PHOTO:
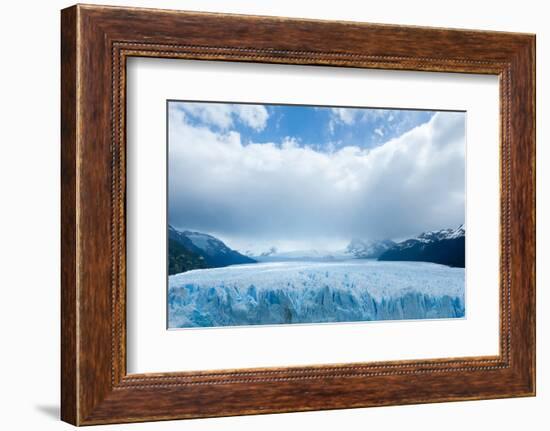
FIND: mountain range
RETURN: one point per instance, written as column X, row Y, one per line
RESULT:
column 195, row 250
column 356, row 249
column 189, row 250
column 445, row 246
column 368, row 249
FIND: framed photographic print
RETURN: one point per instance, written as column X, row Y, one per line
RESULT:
column 317, row 215
column 295, row 190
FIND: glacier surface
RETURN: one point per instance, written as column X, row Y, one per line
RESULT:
column 314, row 292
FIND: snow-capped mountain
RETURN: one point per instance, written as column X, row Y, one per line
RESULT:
column 439, row 235
column 445, row 246
column 362, row 249
column 356, row 249
column 273, row 255
column 195, row 250
column 271, row 252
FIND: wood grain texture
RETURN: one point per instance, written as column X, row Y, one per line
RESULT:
column 69, row 367
column 96, row 41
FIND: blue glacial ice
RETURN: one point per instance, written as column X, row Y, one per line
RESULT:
column 314, row 292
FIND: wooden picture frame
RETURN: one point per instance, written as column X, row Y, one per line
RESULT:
column 95, row 43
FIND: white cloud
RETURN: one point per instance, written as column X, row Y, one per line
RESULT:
column 254, row 116
column 222, row 115
column 384, row 122
column 287, row 192
column 345, row 115
column 349, row 116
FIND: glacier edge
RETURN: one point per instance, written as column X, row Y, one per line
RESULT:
column 314, row 292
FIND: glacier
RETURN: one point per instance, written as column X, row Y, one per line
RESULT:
column 314, row 292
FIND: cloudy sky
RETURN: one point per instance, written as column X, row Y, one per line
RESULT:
column 302, row 177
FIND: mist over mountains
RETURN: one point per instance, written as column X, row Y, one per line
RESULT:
column 195, row 250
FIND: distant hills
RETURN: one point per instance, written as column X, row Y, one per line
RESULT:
column 445, row 246
column 356, row 249
column 273, row 255
column 368, row 249
column 189, row 250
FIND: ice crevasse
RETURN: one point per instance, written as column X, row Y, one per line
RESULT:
column 314, row 292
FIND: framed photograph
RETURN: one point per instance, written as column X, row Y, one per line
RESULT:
column 300, row 193
column 318, row 215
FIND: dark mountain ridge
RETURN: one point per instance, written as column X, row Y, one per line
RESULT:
column 189, row 250
column 445, row 246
